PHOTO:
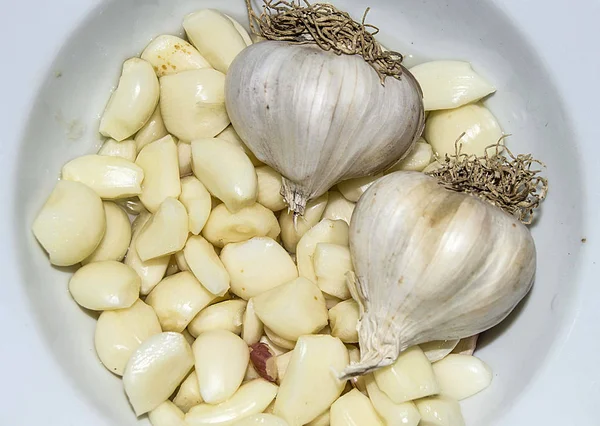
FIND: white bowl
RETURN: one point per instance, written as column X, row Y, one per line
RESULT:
column 61, row 59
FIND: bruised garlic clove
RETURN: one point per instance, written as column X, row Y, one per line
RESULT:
column 188, row 394
column 404, row 414
column 352, row 189
column 153, row 130
column 215, row 37
column 269, row 188
column 261, row 420
column 292, row 230
column 331, row 263
column 354, row 409
column 225, row 315
column 251, row 398
column 120, row 332
column 278, row 340
column 343, row 319
column 71, row 224
column 306, row 315
column 241, row 30
column 132, row 102
column 338, row 208
column 450, row 84
column 462, row 376
column 417, row 159
column 125, row 149
column 167, row 414
column 110, row 177
column 192, row 104
column 221, row 359
column 169, row 54
column 229, row 134
column 439, row 411
column 184, row 155
column 252, row 326
column 155, row 370
column 466, row 346
column 116, row 238
column 264, row 361
column 224, row 227
column 438, row 349
column 310, row 384
column 257, row 265
column 445, row 128
column 206, row 266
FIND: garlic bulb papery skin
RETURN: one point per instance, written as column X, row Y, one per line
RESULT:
column 432, row 264
column 319, row 118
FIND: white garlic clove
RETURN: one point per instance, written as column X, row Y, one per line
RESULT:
column 450, row 84
column 153, row 130
column 331, row 263
column 278, row 340
column 133, row 101
column 169, row 54
column 338, row 208
column 330, row 301
column 196, row 199
column 257, row 265
column 418, row 158
column 229, row 134
column 120, row 332
column 292, row 230
column 167, row 414
column 322, row 420
column 105, row 285
column 224, row 227
column 215, row 37
column 188, row 337
column 354, row 409
column 310, row 384
column 241, row 30
column 352, row 189
column 466, row 346
column 409, row 377
column 165, row 233
column 306, row 315
column 225, row 315
column 282, row 362
column 462, row 376
column 439, row 411
column 116, row 238
column 251, row 398
column 359, row 381
column 438, row 349
column 475, row 123
column 159, row 161
column 433, row 166
column 172, row 267
column 221, row 359
column 343, row 319
column 326, row 231
column 404, row 414
column 277, row 350
column 184, row 155
column 155, row 370
column 110, row 177
column 181, row 262
column 192, row 104
column 188, row 394
column 252, row 326
column 177, row 300
column 206, row 266
column 71, row 224
column 225, row 171
column 261, row 420
column 125, row 149
column 133, row 206
column 269, row 189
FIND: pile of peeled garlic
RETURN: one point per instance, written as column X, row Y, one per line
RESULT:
column 286, row 294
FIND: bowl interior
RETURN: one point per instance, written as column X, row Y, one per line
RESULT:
column 64, row 121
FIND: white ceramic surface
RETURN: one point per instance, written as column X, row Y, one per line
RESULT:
column 60, row 60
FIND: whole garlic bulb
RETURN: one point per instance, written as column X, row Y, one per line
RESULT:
column 319, row 118
column 432, row 264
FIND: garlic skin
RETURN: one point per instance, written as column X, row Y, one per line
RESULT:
column 270, row 89
column 438, row 349
column 483, row 264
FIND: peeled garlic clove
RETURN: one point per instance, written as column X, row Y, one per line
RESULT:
column 277, row 350
column 165, row 233
column 450, row 84
column 225, row 315
column 281, row 363
column 225, row 171
column 192, row 104
column 155, row 370
column 188, row 337
column 206, row 266
column 120, row 332
column 188, row 394
column 433, row 166
column 105, row 285
column 331, row 263
column 280, row 341
column 181, row 262
column 177, row 299
column 230, row 135
column 462, row 376
column 257, row 265
column 262, row 420
column 184, row 154
column 224, row 227
column 354, row 409
column 241, row 30
column 263, row 361
column 132, row 102
column 116, row 238
column 269, row 188
column 343, row 319
column 169, row 55
column 110, row 177
column 153, row 130
column 331, row 301
column 438, row 349
column 132, row 205
column 338, row 208
column 326, row 231
column 480, row 128
column 292, row 231
column 125, row 149
column 310, row 384
column 404, row 414
column 167, row 414
column 215, row 37
column 71, row 224
column 352, row 189
column 221, row 359
column 358, row 382
column 251, row 398
column 418, row 158
column 322, row 420
column 439, row 411
column 252, row 326
column 466, row 346
column 306, row 315
column 172, row 268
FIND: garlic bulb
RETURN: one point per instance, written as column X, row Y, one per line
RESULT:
column 319, row 118
column 455, row 266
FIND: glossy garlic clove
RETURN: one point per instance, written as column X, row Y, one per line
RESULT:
column 206, row 266
column 252, row 326
column 292, row 231
column 343, row 319
column 196, row 199
column 169, row 54
column 167, row 414
column 269, row 189
column 116, row 238
column 352, row 189
column 261, row 420
column 153, row 130
column 184, row 155
column 404, row 414
column 438, row 349
column 125, row 149
column 281, row 342
column 354, row 409
column 331, row 263
column 188, row 394
column 419, row 157
column 225, row 315
column 439, row 411
column 462, row 376
column 338, row 208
